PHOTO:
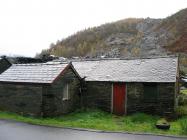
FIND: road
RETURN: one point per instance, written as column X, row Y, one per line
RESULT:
column 12, row 130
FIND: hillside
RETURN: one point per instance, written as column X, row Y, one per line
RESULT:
column 128, row 38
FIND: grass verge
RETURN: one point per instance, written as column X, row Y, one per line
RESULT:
column 99, row 120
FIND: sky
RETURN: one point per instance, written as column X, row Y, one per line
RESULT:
column 28, row 26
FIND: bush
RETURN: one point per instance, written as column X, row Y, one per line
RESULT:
column 181, row 111
column 183, row 124
column 184, row 91
column 182, row 99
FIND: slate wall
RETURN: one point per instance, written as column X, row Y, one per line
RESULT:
column 53, row 103
column 134, row 97
column 167, row 99
column 22, row 99
column 163, row 105
column 46, row 100
column 98, row 95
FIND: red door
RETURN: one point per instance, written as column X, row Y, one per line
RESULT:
column 119, row 91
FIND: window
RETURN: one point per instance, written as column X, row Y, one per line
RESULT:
column 150, row 92
column 66, row 95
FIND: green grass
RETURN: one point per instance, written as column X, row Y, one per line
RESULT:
column 95, row 119
column 184, row 126
column 184, row 91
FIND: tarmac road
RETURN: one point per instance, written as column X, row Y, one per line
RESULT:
column 12, row 130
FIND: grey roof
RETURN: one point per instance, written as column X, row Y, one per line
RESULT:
column 32, row 73
column 136, row 70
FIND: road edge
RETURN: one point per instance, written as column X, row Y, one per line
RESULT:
column 98, row 131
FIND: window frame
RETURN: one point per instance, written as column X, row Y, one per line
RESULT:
column 66, row 89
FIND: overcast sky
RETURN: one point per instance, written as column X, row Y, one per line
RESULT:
column 28, row 26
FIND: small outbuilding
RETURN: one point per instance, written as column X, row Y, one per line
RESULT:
column 45, row 89
column 119, row 86
column 4, row 64
column 127, row 86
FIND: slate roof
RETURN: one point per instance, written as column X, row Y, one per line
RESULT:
column 136, row 70
column 32, row 73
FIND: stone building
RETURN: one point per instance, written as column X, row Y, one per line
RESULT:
column 118, row 86
column 128, row 86
column 40, row 89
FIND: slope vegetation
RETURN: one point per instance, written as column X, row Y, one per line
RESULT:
column 128, row 38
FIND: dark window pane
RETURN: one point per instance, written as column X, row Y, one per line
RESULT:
column 150, row 91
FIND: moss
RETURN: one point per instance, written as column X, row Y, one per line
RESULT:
column 162, row 121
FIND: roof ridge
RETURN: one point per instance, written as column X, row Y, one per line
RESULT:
column 38, row 64
column 132, row 58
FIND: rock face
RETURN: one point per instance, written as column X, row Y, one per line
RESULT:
column 146, row 42
column 127, row 38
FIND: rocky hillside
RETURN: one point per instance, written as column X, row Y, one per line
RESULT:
column 128, row 38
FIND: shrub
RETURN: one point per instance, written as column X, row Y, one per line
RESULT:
column 181, row 111
column 183, row 124
column 182, row 99
column 183, row 91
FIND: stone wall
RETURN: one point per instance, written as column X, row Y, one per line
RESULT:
column 28, row 99
column 98, row 95
column 162, row 105
column 134, row 97
column 166, row 102
column 53, row 103
column 22, row 99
